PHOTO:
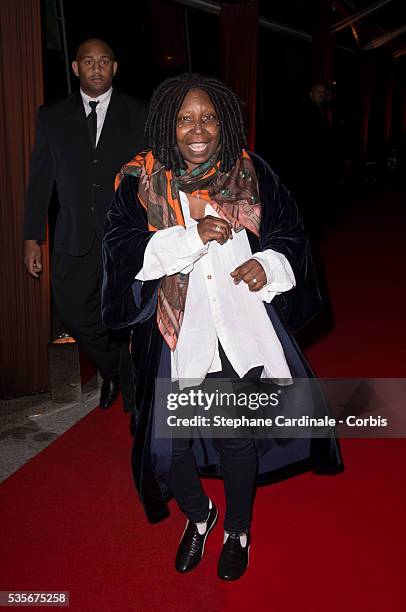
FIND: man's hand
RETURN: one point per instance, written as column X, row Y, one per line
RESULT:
column 252, row 273
column 214, row 228
column 33, row 257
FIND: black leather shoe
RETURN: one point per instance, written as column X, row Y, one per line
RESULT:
column 234, row 558
column 191, row 546
column 109, row 391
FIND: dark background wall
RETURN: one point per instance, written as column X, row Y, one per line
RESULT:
column 157, row 38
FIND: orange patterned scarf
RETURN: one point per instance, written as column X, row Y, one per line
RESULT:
column 233, row 195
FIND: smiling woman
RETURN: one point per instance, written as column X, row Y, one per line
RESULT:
column 197, row 128
column 200, row 239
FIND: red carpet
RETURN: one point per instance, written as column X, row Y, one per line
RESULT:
column 71, row 520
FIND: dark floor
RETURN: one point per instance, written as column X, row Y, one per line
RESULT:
column 29, row 424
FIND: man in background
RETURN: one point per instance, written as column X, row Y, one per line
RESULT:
column 315, row 163
column 81, row 143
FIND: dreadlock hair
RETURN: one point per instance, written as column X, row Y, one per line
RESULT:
column 160, row 127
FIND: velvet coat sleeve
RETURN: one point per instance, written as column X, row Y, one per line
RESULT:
column 282, row 230
column 126, row 301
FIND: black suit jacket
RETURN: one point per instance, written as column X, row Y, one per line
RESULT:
column 84, row 176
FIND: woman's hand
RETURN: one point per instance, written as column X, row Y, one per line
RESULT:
column 252, row 273
column 214, row 228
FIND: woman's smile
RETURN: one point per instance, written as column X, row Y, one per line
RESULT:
column 197, row 128
column 198, row 147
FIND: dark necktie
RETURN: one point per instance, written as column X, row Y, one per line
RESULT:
column 92, row 122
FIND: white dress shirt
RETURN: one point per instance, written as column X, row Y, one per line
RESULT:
column 216, row 309
column 101, row 108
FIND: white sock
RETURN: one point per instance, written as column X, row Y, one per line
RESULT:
column 243, row 538
column 201, row 527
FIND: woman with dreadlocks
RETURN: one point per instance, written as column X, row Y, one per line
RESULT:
column 206, row 258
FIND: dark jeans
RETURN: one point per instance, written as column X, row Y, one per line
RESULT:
column 238, row 462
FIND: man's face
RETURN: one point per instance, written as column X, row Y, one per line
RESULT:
column 95, row 68
column 318, row 94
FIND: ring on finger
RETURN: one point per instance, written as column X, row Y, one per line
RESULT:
column 254, row 280
column 217, row 228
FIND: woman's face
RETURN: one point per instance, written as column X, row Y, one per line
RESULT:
column 197, row 128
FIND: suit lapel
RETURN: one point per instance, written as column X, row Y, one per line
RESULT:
column 113, row 127
column 79, row 127
column 113, row 134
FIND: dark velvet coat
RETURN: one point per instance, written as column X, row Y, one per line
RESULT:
column 130, row 303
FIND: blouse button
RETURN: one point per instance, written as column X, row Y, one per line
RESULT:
column 209, row 276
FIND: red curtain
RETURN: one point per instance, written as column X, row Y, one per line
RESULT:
column 323, row 50
column 404, row 111
column 390, row 85
column 239, row 50
column 323, row 45
column 24, row 301
column 168, row 31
